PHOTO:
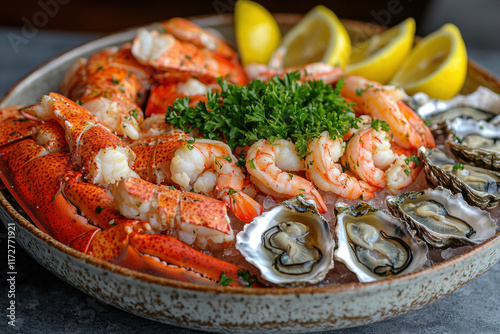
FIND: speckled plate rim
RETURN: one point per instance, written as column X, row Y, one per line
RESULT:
column 484, row 77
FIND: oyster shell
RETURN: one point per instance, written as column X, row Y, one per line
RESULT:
column 374, row 244
column 290, row 244
column 477, row 142
column 441, row 218
column 483, row 104
column 480, row 187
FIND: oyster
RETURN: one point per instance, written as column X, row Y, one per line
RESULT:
column 290, row 244
column 374, row 244
column 441, row 218
column 483, row 104
column 480, row 187
column 477, row 142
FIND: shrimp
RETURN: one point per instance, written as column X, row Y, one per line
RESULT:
column 369, row 156
column 268, row 165
column 323, row 169
column 384, row 103
column 208, row 165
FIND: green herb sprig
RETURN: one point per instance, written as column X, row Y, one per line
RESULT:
column 282, row 108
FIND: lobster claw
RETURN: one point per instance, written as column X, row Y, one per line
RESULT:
column 15, row 124
column 36, row 183
column 130, row 245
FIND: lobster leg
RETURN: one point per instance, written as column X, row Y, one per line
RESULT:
column 193, row 218
column 129, row 245
column 154, row 155
column 36, row 183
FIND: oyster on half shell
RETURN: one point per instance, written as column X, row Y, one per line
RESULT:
column 483, row 104
column 290, row 244
column 480, row 187
column 477, row 142
column 441, row 218
column 374, row 244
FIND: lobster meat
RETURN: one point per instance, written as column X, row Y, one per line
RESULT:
column 65, row 171
column 74, row 161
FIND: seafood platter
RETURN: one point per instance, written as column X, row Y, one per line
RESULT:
column 127, row 177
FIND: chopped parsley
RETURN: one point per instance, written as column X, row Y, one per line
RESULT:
column 99, row 209
column 252, row 164
column 281, row 108
column 378, row 124
column 247, row 278
column 224, row 280
column 458, row 166
column 414, row 159
column 134, row 113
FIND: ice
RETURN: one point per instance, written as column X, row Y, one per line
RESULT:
column 268, row 203
column 448, row 253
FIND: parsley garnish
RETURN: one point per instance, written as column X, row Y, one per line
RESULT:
column 247, row 278
column 98, row 209
column 281, row 108
column 458, row 166
column 414, row 159
column 225, row 280
column 378, row 124
column 134, row 113
column 252, row 164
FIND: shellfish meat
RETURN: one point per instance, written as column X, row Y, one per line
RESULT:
column 442, row 218
column 374, row 244
column 480, row 187
column 290, row 244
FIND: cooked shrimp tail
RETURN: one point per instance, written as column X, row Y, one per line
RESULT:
column 382, row 102
column 242, row 205
column 269, row 166
column 208, row 166
column 323, row 169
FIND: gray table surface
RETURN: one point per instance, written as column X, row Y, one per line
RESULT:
column 45, row 304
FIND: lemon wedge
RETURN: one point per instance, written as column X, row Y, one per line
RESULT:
column 379, row 57
column 257, row 32
column 436, row 66
column 319, row 36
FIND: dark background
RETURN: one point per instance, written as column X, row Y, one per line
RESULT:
column 112, row 15
column 477, row 20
